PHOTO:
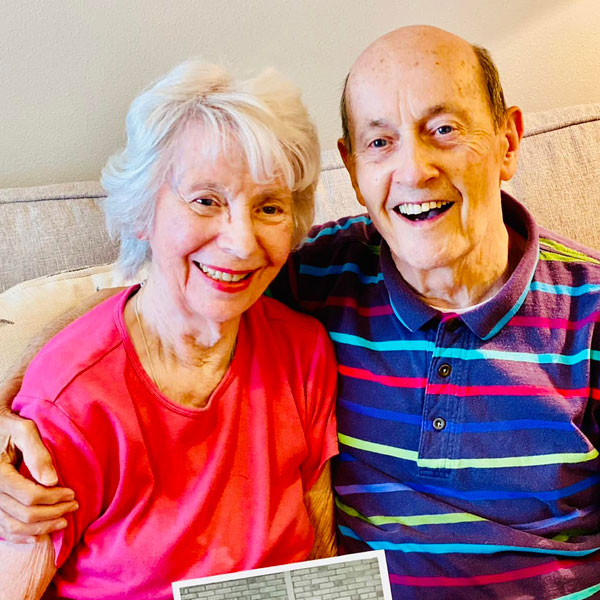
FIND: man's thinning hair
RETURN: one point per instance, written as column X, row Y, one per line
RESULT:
column 491, row 84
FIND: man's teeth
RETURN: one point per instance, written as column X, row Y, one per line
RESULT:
column 221, row 275
column 417, row 209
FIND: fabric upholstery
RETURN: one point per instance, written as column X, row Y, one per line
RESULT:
column 47, row 229
column 27, row 307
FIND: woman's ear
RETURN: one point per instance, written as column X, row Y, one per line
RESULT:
column 513, row 133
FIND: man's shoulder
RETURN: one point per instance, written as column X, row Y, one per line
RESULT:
column 357, row 228
column 564, row 261
column 351, row 239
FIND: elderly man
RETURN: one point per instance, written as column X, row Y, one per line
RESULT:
column 467, row 338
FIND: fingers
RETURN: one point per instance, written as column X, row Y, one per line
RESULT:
column 23, row 434
column 28, row 492
column 26, row 533
column 20, row 524
column 28, row 509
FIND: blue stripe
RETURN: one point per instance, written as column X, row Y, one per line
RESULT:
column 565, row 290
column 461, row 548
column 336, row 228
column 382, row 488
column 453, row 427
column 337, row 269
column 463, row 353
column 553, row 521
column 385, row 346
column 381, row 413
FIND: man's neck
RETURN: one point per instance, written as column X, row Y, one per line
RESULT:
column 472, row 280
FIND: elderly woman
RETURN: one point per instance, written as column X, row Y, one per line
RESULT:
column 192, row 416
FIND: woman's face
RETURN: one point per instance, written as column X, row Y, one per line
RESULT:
column 219, row 237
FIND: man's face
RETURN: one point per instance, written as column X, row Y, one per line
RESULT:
column 426, row 160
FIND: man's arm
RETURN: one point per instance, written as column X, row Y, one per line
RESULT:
column 320, row 505
column 26, row 508
column 27, row 570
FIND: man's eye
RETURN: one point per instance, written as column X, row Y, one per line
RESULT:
column 379, row 143
column 444, row 129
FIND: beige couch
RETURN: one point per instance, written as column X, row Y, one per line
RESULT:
column 60, row 228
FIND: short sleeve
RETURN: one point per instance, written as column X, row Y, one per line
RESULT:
column 321, row 427
column 75, row 463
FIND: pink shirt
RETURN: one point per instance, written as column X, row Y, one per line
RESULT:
column 168, row 492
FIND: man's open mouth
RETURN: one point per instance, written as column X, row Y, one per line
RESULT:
column 422, row 211
column 222, row 275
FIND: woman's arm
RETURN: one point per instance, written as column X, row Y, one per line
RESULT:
column 320, row 505
column 28, row 509
column 27, row 569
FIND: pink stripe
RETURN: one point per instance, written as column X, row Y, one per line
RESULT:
column 466, row 391
column 504, row 390
column 405, row 382
column 518, row 321
column 364, row 311
column 516, row 575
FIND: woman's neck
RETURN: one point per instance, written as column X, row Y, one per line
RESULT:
column 185, row 354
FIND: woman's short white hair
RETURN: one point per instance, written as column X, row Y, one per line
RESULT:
column 265, row 115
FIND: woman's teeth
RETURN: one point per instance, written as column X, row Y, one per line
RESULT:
column 221, row 275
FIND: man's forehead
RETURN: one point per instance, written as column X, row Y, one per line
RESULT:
column 429, row 72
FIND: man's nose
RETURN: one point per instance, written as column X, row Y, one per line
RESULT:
column 414, row 163
column 238, row 235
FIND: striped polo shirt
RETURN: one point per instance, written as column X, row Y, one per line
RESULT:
column 468, row 442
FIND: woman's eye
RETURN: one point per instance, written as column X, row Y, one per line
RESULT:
column 205, row 201
column 270, row 209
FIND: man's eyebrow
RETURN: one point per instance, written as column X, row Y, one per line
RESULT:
column 439, row 109
column 378, row 124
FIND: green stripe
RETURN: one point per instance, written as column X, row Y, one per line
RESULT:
column 564, row 253
column 410, row 521
column 587, row 593
column 553, row 256
column 469, row 463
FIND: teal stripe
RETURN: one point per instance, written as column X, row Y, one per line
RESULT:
column 397, row 313
column 587, row 593
column 565, row 290
column 337, row 269
column 385, row 346
column 526, row 357
column 461, row 548
column 464, row 353
column 511, row 313
column 336, row 228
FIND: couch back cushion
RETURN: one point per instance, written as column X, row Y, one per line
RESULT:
column 52, row 228
column 60, row 227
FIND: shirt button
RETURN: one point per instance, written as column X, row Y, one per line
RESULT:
column 452, row 325
column 444, row 370
column 439, row 423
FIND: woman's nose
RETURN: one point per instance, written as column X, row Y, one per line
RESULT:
column 237, row 235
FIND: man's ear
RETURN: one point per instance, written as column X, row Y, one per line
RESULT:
column 513, row 132
column 349, row 164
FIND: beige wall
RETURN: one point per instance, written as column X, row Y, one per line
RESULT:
column 69, row 68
